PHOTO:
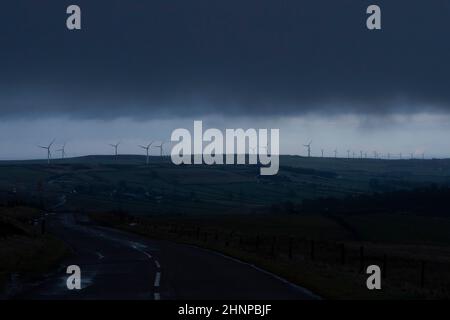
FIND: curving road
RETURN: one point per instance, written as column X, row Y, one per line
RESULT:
column 119, row 265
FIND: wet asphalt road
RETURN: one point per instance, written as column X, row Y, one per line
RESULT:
column 119, row 265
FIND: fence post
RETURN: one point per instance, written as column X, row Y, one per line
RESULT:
column 43, row 226
column 291, row 244
column 422, row 274
column 361, row 259
column 342, row 254
column 273, row 246
column 312, row 250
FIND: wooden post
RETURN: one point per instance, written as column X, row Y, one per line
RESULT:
column 361, row 259
column 422, row 274
column 291, row 244
column 43, row 226
column 273, row 246
column 230, row 239
column 342, row 254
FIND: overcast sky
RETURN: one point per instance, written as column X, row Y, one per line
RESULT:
column 139, row 69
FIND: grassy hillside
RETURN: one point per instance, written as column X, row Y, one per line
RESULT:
column 127, row 183
column 25, row 253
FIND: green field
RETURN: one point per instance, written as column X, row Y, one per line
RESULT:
column 227, row 208
column 283, row 245
column 163, row 188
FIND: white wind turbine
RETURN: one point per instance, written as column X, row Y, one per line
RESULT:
column 146, row 148
column 115, row 146
column 49, row 152
column 63, row 151
column 160, row 148
column 308, row 147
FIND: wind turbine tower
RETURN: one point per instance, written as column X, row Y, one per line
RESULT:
column 146, row 148
column 308, row 146
column 115, row 146
column 160, row 148
column 63, row 151
column 49, row 152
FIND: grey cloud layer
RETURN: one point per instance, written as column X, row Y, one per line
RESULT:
column 164, row 58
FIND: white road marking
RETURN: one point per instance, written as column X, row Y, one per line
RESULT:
column 157, row 296
column 144, row 252
column 157, row 264
column 157, row 279
column 303, row 290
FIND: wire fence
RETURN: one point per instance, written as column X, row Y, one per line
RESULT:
column 400, row 271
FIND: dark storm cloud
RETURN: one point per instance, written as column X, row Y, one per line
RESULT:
column 164, row 58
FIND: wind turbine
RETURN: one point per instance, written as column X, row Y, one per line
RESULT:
column 361, row 154
column 401, row 156
column 389, row 155
column 63, row 151
column 48, row 148
column 375, row 155
column 160, row 148
column 322, row 152
column 335, row 153
column 308, row 146
column 412, row 155
column 146, row 148
column 115, row 146
column 348, row 154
